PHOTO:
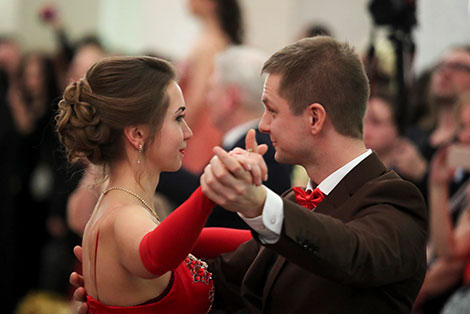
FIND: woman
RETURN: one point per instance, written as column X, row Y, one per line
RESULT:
column 127, row 116
column 221, row 26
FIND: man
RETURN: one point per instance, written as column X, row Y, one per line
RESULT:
column 234, row 108
column 362, row 249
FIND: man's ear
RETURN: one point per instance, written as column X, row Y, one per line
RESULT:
column 233, row 97
column 317, row 117
column 136, row 135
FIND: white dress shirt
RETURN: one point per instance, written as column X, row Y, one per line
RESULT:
column 269, row 224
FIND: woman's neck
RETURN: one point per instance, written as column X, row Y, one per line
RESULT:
column 135, row 178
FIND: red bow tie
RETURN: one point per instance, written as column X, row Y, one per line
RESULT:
column 308, row 199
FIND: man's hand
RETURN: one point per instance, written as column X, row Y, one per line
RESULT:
column 229, row 179
column 79, row 295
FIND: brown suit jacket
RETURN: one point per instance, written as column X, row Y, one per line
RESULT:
column 363, row 250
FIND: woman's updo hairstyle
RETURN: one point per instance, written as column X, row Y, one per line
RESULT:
column 116, row 92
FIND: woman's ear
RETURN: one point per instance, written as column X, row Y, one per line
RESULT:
column 135, row 135
column 317, row 117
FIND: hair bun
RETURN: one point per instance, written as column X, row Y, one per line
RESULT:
column 79, row 125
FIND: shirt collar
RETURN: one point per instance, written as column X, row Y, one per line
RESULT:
column 231, row 137
column 330, row 182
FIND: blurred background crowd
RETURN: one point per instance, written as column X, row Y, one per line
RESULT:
column 417, row 56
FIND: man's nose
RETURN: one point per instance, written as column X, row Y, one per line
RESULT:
column 263, row 124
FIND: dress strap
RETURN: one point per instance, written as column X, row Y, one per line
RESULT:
column 94, row 266
column 98, row 203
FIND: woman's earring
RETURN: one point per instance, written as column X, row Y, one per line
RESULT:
column 141, row 149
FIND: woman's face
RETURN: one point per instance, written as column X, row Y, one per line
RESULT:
column 464, row 125
column 167, row 150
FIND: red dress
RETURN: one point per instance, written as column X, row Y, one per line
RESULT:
column 191, row 288
column 190, row 291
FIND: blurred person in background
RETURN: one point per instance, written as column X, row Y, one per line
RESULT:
column 234, row 107
column 70, row 67
column 10, row 56
column 222, row 25
column 88, row 52
column 449, row 247
column 450, row 78
column 31, row 103
column 381, row 134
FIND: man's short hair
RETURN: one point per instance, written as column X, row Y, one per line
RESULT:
column 325, row 71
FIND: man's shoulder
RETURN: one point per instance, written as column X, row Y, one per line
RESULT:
column 389, row 188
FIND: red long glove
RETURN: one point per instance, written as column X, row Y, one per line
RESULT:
column 165, row 247
column 215, row 241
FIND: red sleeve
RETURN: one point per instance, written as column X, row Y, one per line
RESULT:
column 215, row 241
column 165, row 247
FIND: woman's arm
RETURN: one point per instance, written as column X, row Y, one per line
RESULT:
column 164, row 248
column 214, row 241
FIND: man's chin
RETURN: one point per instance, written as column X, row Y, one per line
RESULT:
column 281, row 158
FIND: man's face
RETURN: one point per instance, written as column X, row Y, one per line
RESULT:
column 286, row 130
column 452, row 75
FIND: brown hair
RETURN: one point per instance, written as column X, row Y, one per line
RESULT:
column 323, row 70
column 116, row 92
column 387, row 97
column 462, row 101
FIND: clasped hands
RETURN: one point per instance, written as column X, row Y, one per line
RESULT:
column 233, row 180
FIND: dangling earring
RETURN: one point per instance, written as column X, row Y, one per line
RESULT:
column 141, row 149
